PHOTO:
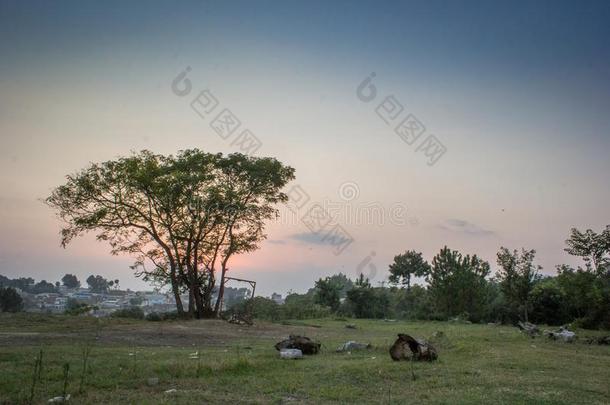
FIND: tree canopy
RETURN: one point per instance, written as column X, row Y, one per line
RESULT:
column 518, row 275
column 406, row 265
column 182, row 217
column 457, row 283
column 70, row 281
column 594, row 248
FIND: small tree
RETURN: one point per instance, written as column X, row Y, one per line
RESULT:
column 328, row 293
column 10, row 300
column 98, row 284
column 457, row 283
column 517, row 276
column 594, row 248
column 407, row 265
column 70, row 281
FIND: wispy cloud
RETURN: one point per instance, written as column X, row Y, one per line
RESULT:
column 276, row 241
column 308, row 237
column 465, row 227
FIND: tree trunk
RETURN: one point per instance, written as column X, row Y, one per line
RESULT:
column 176, row 291
column 199, row 303
column 221, row 292
column 191, row 301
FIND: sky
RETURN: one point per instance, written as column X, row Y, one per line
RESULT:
column 515, row 94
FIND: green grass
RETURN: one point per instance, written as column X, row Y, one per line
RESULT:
column 477, row 364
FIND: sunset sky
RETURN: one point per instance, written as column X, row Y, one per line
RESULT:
column 517, row 92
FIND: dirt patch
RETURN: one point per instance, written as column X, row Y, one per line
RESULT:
column 173, row 333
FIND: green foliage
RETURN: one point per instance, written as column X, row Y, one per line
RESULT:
column 154, row 317
column 70, row 281
column 368, row 302
column 594, row 248
column 162, row 316
column 29, row 285
column 261, row 308
column 548, row 301
column 43, row 287
column 133, row 313
column 587, row 296
column 234, row 296
column 517, row 276
column 414, row 303
column 303, row 306
column 457, row 284
column 345, row 283
column 296, row 306
column 21, row 283
column 97, row 284
column 10, row 300
column 75, row 307
column 182, row 217
column 406, row 265
column 328, row 293
column 498, row 309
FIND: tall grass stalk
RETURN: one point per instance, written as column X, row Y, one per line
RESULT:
column 36, row 375
column 66, row 379
column 86, row 352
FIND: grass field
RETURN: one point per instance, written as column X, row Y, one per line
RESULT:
column 237, row 364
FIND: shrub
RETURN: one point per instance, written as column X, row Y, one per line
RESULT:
column 154, row 317
column 303, row 306
column 548, row 303
column 368, row 302
column 133, row 313
column 170, row 316
column 10, row 300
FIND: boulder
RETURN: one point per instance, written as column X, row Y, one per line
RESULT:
column 304, row 344
column 409, row 348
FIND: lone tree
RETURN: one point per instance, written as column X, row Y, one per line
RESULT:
column 183, row 217
column 518, row 276
column 406, row 265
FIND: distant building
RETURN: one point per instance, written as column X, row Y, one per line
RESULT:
column 155, row 299
column 277, row 298
column 50, row 302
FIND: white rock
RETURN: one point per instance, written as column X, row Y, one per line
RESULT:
column 60, row 399
column 291, row 354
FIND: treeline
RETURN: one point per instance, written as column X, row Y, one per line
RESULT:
column 462, row 286
column 95, row 283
